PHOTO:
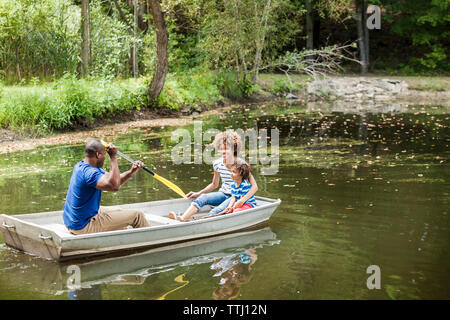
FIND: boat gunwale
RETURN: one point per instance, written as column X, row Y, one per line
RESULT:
column 271, row 203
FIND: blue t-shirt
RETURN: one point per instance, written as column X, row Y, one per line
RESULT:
column 239, row 192
column 83, row 198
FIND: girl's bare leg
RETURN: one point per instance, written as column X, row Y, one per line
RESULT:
column 189, row 212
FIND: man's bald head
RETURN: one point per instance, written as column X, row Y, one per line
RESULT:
column 92, row 147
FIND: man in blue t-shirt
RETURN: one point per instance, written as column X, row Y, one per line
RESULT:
column 82, row 212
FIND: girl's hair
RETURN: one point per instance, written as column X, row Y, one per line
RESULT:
column 230, row 139
column 243, row 168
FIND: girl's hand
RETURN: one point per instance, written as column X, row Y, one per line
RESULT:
column 238, row 204
column 193, row 195
column 228, row 210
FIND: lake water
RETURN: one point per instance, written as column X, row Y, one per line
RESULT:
column 357, row 189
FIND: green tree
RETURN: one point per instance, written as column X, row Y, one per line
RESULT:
column 426, row 23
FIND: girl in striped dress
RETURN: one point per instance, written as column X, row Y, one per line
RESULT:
column 229, row 144
column 240, row 173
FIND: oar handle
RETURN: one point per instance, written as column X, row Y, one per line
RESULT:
column 106, row 145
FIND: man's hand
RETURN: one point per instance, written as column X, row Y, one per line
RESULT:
column 193, row 195
column 112, row 150
column 136, row 166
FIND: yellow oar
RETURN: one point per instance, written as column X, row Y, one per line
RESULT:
column 177, row 279
column 157, row 177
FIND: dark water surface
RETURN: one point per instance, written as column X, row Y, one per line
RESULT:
column 357, row 189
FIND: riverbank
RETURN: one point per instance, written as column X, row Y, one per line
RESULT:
column 271, row 87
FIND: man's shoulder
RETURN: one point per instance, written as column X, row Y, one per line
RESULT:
column 87, row 168
column 87, row 174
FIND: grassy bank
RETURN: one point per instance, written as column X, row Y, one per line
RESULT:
column 66, row 103
column 69, row 103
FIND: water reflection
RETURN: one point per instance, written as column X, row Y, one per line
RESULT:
column 92, row 293
column 234, row 271
column 124, row 270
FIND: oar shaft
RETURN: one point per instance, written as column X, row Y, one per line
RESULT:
column 132, row 161
column 125, row 156
column 169, row 184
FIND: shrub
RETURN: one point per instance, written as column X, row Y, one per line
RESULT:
column 68, row 101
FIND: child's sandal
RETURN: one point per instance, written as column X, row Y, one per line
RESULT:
column 175, row 216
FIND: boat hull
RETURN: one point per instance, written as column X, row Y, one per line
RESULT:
column 43, row 234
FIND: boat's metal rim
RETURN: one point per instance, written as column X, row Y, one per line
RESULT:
column 178, row 225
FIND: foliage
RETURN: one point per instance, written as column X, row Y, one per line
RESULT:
column 110, row 43
column 230, row 34
column 66, row 103
column 38, row 38
column 232, row 87
column 43, row 39
column 71, row 102
column 425, row 22
column 190, row 89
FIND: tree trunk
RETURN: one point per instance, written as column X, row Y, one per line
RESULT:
column 135, row 30
column 366, row 35
column 309, row 26
column 362, row 41
column 85, row 45
column 260, row 42
column 19, row 75
column 309, row 29
column 131, row 32
column 316, row 31
column 162, row 40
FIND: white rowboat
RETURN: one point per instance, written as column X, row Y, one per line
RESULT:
column 44, row 234
column 132, row 268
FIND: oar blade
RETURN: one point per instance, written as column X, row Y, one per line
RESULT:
column 171, row 185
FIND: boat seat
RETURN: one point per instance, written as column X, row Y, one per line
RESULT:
column 60, row 229
column 160, row 219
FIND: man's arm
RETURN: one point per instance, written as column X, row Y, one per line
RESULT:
column 128, row 174
column 110, row 181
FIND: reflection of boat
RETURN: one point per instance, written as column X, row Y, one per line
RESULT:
column 44, row 234
column 52, row 277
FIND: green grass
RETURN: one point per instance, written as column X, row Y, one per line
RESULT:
column 43, row 108
column 278, row 83
column 61, row 104
column 190, row 89
column 434, row 84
